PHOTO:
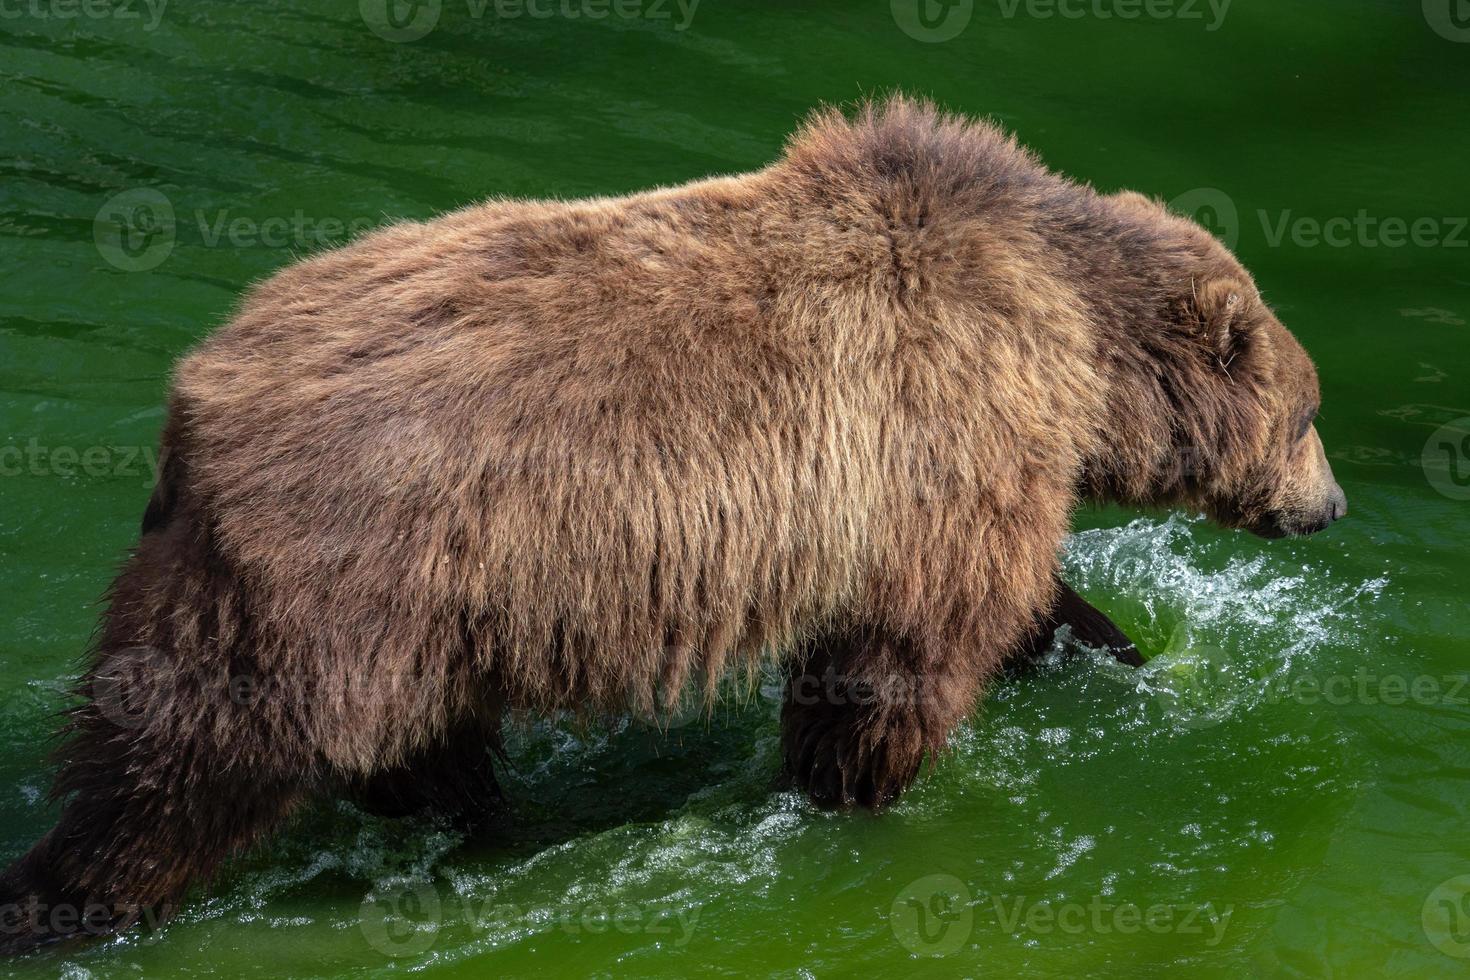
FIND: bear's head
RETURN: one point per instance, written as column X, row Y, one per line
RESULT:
column 1217, row 399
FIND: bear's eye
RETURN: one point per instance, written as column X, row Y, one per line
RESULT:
column 1306, row 423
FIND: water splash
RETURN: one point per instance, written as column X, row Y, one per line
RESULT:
column 1225, row 630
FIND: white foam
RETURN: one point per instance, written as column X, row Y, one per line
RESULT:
column 1221, row 627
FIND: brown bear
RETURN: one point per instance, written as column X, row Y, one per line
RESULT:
column 584, row 455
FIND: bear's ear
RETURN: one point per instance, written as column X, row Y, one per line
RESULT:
column 1212, row 314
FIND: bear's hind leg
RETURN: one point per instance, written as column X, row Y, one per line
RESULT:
column 157, row 796
column 166, row 770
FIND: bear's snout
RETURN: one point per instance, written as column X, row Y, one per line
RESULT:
column 1288, row 524
column 1333, row 509
column 1309, row 500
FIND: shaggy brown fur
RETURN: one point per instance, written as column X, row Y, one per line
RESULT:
column 582, row 455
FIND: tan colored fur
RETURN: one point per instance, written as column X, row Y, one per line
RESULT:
column 640, row 440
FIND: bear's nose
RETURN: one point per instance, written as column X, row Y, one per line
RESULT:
column 1337, row 503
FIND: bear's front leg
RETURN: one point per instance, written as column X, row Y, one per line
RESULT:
column 453, row 775
column 862, row 711
column 1089, row 625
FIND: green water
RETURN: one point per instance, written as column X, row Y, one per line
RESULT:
column 1284, row 790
